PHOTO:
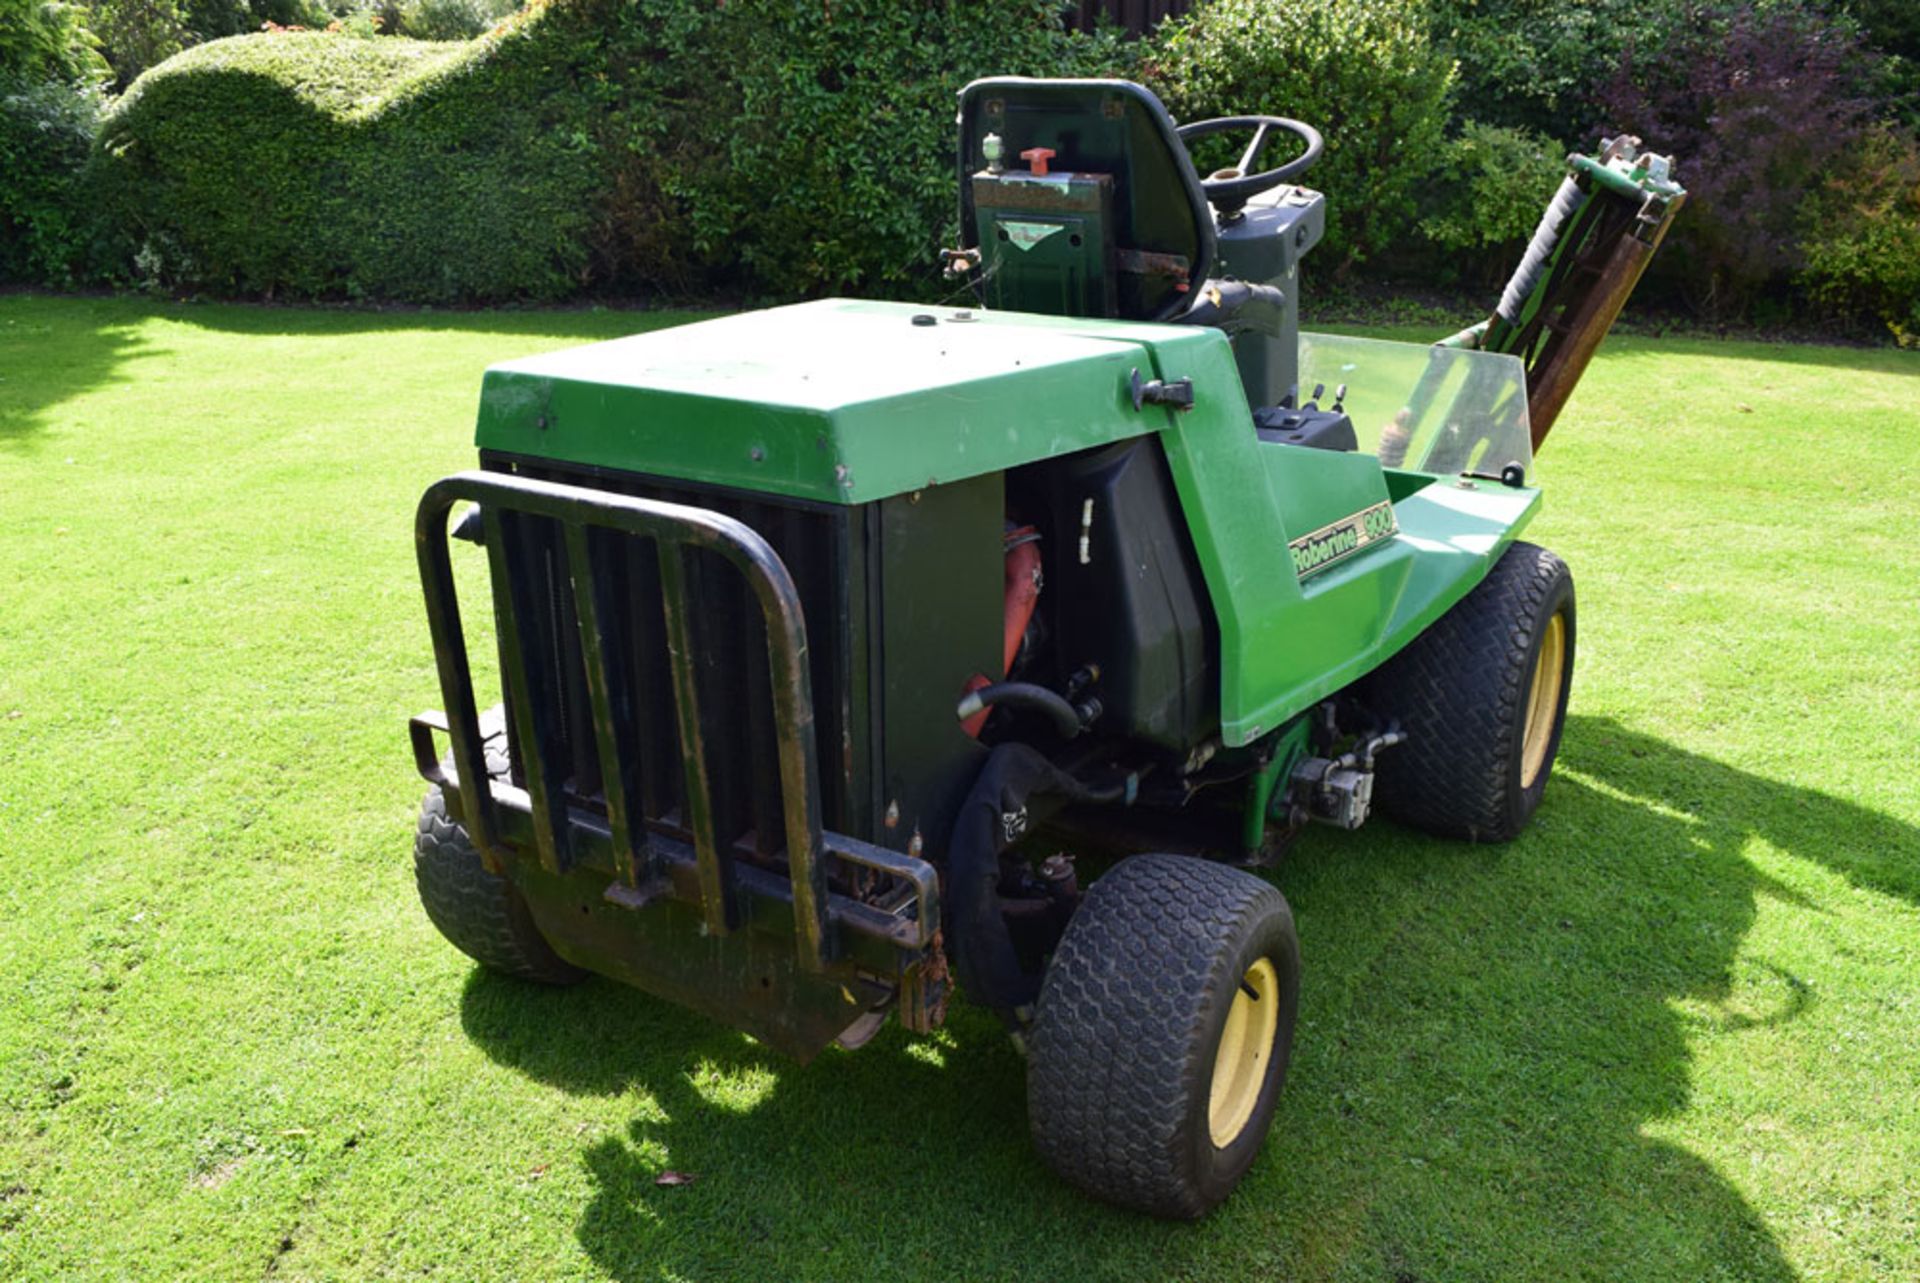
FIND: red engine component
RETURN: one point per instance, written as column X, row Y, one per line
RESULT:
column 1022, row 596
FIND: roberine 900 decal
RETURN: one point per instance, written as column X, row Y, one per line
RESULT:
column 852, row 648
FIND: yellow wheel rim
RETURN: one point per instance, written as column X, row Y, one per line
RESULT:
column 1543, row 700
column 1246, row 1049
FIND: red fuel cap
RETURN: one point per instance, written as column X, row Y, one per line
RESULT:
column 1037, row 158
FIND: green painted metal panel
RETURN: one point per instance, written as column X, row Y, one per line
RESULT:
column 1285, row 642
column 839, row 401
column 851, row 402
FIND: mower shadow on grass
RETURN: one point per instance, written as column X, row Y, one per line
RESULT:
column 1724, row 807
column 1486, row 1036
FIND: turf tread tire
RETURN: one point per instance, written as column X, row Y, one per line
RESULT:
column 1128, row 1022
column 478, row 911
column 1460, row 690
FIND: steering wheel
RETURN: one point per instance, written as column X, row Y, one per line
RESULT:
column 1229, row 189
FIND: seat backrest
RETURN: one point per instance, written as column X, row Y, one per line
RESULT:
column 1117, row 225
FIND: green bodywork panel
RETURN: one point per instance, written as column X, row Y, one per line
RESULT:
column 837, row 401
column 1288, row 642
column 851, row 402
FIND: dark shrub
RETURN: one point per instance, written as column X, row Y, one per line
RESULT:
column 451, row 19
column 137, row 34
column 45, row 131
column 1892, row 28
column 49, row 67
column 1862, row 237
column 1755, row 105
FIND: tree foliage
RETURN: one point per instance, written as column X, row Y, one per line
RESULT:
column 1759, row 104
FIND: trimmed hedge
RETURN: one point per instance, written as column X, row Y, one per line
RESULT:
column 772, row 149
column 795, row 149
column 313, row 165
column 752, row 147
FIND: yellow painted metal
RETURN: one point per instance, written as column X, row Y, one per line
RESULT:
column 1543, row 699
column 1246, row 1049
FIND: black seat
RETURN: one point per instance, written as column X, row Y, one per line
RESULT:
column 1116, row 226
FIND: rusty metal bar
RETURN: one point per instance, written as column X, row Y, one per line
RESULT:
column 533, row 718
column 697, row 797
column 474, row 805
column 676, row 529
column 606, row 687
column 793, row 725
column 1564, row 357
column 912, row 925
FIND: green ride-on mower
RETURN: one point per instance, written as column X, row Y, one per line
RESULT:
column 850, row 649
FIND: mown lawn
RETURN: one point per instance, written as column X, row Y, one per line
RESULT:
column 1669, row 1034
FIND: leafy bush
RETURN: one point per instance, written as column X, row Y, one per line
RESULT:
column 1892, row 28
column 42, row 40
column 321, row 166
column 1535, row 64
column 138, row 34
column 1490, row 189
column 769, row 147
column 1755, row 104
column 1364, row 72
column 451, row 19
column 1862, row 239
column 214, row 19
column 50, row 66
column 45, row 131
column 756, row 146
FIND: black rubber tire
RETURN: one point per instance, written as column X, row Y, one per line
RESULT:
column 1460, row 692
column 479, row 912
column 1121, row 1055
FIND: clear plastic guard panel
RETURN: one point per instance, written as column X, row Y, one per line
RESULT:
column 1432, row 409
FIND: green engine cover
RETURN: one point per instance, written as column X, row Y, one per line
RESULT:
column 1319, row 564
column 839, row 401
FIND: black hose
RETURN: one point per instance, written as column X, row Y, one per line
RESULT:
column 1016, row 787
column 1066, row 718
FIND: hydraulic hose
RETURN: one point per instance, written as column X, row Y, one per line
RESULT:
column 1066, row 718
column 1016, row 786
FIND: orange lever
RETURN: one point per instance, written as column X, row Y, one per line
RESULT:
column 1037, row 158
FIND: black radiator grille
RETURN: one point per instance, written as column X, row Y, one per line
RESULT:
column 734, row 681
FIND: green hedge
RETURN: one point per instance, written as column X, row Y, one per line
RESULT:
column 46, row 128
column 790, row 149
column 313, row 165
column 766, row 148
column 1364, row 72
column 749, row 147
column 1862, row 234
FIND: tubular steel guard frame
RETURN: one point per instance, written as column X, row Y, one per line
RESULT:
column 644, row 863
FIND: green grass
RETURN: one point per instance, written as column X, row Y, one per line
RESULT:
column 1669, row 1034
